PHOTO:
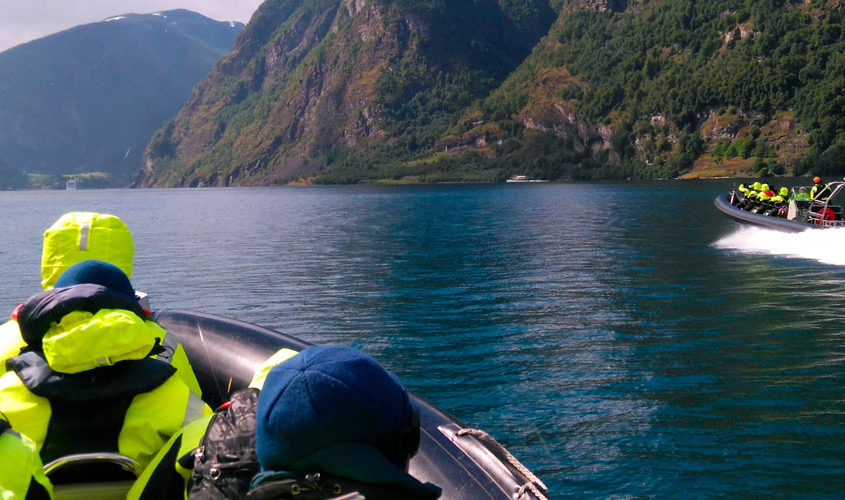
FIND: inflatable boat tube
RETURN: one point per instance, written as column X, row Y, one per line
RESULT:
column 723, row 204
column 466, row 463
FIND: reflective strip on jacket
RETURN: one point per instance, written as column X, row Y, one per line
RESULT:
column 21, row 475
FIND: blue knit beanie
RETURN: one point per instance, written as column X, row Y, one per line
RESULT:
column 335, row 409
column 97, row 272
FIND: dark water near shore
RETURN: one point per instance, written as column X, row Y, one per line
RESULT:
column 622, row 340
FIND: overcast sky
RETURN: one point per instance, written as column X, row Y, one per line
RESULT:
column 25, row 20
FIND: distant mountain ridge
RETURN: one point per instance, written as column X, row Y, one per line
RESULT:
column 89, row 98
column 346, row 91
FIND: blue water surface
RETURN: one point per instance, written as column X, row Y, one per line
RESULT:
column 599, row 331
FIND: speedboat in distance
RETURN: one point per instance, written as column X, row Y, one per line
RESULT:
column 798, row 210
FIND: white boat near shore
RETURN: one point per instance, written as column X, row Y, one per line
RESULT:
column 524, row 178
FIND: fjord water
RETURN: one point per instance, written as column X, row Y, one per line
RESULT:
column 622, row 340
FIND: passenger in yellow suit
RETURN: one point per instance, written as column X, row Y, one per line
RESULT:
column 781, row 196
column 78, row 236
column 21, row 476
column 86, row 380
column 751, row 194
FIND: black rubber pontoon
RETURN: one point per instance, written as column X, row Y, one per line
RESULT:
column 723, row 203
column 465, row 463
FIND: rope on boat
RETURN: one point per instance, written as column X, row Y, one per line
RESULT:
column 534, row 484
column 223, row 397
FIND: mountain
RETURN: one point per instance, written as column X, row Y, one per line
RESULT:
column 89, row 98
column 11, row 178
column 341, row 91
column 311, row 82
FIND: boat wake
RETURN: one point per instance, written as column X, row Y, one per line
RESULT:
column 822, row 246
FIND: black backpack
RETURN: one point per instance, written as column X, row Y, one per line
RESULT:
column 225, row 461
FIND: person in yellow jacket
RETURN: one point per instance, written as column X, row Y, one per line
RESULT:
column 781, row 196
column 79, row 236
column 21, row 476
column 820, row 190
column 86, row 380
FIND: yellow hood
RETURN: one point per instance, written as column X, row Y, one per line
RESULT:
column 79, row 236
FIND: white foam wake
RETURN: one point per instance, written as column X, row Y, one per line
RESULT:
column 826, row 246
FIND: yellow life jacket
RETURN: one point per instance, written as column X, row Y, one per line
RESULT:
column 76, row 374
column 149, row 420
column 261, row 372
column 21, row 472
column 11, row 344
column 83, row 340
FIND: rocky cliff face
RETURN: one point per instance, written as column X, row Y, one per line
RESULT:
column 271, row 110
column 549, row 112
column 601, row 5
column 309, row 79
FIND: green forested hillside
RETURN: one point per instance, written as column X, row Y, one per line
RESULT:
column 686, row 59
column 429, row 90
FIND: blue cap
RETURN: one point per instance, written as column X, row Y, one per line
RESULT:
column 96, row 272
column 335, row 409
